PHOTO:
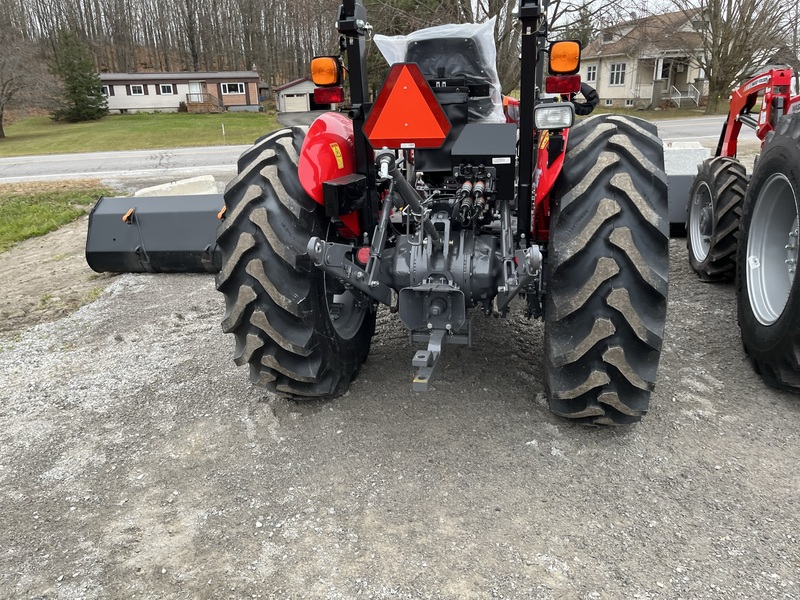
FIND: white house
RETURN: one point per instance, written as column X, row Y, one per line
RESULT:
column 166, row 92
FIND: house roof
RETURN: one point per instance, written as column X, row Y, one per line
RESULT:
column 648, row 36
column 290, row 84
column 178, row 76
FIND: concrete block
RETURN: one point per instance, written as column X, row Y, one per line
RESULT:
column 203, row 184
column 680, row 163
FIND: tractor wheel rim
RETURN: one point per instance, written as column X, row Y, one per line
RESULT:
column 701, row 219
column 772, row 249
column 346, row 308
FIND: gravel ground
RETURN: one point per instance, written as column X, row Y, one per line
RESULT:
column 137, row 462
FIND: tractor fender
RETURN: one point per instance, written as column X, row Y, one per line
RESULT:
column 328, row 152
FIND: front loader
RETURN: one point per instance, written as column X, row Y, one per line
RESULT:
column 428, row 202
column 747, row 230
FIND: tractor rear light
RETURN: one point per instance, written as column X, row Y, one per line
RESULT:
column 331, row 95
column 565, row 57
column 556, row 115
column 563, row 84
column 326, row 71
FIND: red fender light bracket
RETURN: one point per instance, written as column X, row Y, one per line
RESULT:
column 406, row 113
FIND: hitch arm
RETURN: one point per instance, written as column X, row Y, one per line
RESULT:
column 332, row 258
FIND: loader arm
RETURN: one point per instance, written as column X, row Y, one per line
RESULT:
column 776, row 101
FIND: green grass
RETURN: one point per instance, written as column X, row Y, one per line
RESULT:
column 142, row 131
column 30, row 214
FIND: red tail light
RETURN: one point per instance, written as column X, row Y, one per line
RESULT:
column 332, row 95
column 563, row 84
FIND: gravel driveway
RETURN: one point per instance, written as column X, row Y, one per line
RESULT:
column 137, row 462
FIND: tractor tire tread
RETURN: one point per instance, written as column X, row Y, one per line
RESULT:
column 774, row 350
column 272, row 292
column 607, row 268
column 726, row 178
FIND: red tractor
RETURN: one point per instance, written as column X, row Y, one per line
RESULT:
column 425, row 202
column 748, row 231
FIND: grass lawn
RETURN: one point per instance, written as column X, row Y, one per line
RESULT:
column 34, row 209
column 40, row 135
column 142, row 131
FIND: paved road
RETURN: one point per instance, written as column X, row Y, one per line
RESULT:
column 172, row 163
column 702, row 129
column 169, row 164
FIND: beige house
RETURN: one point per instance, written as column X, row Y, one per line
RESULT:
column 647, row 62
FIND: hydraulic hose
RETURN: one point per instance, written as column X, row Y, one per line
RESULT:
column 410, row 197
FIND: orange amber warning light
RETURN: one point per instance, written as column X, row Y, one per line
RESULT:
column 565, row 57
column 406, row 113
column 326, row 71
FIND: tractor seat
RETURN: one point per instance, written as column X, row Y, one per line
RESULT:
column 456, row 58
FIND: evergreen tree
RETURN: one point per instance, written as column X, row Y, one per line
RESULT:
column 83, row 98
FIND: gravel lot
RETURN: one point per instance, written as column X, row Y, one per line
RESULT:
column 137, row 462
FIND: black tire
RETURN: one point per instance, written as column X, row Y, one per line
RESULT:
column 767, row 290
column 712, row 220
column 607, row 269
column 278, row 305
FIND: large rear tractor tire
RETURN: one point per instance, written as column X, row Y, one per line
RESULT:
column 301, row 333
column 767, row 288
column 712, row 222
column 607, row 270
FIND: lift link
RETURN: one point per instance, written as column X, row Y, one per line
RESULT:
column 520, row 267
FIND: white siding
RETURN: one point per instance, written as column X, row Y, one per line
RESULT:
column 121, row 101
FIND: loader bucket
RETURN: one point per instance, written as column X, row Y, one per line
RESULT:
column 159, row 234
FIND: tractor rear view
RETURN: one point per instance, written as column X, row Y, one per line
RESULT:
column 430, row 203
column 747, row 231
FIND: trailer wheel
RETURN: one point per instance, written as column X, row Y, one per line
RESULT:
column 301, row 332
column 607, row 269
column 712, row 223
column 767, row 288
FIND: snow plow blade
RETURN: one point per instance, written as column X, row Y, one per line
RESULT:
column 159, row 234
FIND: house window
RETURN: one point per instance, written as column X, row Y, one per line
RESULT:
column 628, row 103
column 137, row 90
column 591, row 73
column 609, row 102
column 105, row 91
column 233, row 88
column 608, row 36
column 167, row 89
column 617, row 74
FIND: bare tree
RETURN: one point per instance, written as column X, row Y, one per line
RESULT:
column 12, row 80
column 561, row 13
column 278, row 37
column 737, row 36
column 24, row 77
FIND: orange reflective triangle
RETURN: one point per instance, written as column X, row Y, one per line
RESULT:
column 406, row 113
